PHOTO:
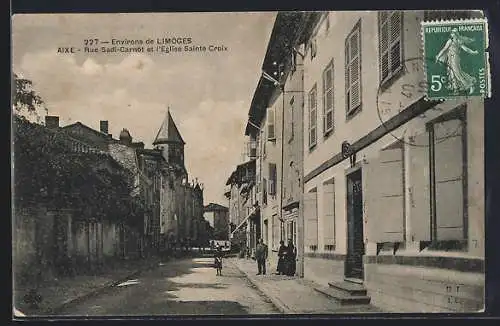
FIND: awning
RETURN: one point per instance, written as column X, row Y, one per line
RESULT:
column 253, row 212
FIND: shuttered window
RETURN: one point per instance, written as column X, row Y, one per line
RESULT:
column 270, row 125
column 448, row 157
column 390, row 27
column 353, row 69
column 312, row 117
column 419, row 190
column 329, row 215
column 384, row 199
column 272, row 179
column 311, row 220
column 328, row 98
column 264, row 191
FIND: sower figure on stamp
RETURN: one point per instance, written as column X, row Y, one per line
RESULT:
column 261, row 256
column 458, row 79
column 280, row 270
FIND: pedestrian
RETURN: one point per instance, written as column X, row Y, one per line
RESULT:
column 280, row 270
column 218, row 260
column 261, row 257
column 291, row 255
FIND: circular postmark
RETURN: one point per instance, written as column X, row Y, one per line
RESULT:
column 404, row 101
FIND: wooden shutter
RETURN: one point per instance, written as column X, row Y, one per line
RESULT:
column 448, row 160
column 312, row 117
column 329, row 213
column 420, row 212
column 311, row 219
column 328, row 98
column 270, row 124
column 385, row 197
column 390, row 25
column 353, row 69
column 396, row 48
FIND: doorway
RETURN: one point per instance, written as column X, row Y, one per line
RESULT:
column 355, row 245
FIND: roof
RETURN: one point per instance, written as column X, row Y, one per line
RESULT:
column 215, row 207
column 168, row 132
column 290, row 29
column 103, row 135
column 235, row 175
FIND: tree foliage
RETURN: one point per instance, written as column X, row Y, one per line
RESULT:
column 25, row 98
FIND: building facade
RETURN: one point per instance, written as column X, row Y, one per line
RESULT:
column 244, row 212
column 389, row 192
column 218, row 215
column 404, row 215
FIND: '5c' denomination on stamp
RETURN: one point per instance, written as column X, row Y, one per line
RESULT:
column 456, row 59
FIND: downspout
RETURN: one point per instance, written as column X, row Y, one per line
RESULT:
column 282, row 156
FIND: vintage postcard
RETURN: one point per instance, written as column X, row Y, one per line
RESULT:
column 248, row 163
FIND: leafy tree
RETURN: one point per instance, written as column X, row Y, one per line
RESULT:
column 27, row 101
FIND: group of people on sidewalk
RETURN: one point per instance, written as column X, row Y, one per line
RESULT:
column 286, row 258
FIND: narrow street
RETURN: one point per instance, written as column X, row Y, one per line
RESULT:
column 181, row 287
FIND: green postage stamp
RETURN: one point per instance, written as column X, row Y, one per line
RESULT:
column 456, row 60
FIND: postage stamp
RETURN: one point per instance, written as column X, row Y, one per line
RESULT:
column 456, row 58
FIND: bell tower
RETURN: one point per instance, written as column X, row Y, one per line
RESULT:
column 170, row 141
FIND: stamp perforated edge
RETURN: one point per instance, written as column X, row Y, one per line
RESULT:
column 484, row 21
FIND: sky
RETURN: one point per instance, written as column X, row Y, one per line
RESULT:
column 209, row 93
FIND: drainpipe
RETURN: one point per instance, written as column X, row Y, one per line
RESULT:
column 282, row 86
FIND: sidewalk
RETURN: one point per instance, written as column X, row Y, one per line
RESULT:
column 293, row 295
column 58, row 293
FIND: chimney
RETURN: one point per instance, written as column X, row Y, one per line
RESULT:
column 104, row 126
column 52, row 122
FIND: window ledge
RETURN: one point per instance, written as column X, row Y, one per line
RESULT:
column 312, row 148
column 391, row 79
column 328, row 134
column 354, row 112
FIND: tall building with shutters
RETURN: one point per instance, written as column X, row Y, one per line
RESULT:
column 400, row 211
column 275, row 123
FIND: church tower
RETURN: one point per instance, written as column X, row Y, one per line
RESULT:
column 170, row 142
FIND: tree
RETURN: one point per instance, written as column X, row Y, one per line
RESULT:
column 26, row 101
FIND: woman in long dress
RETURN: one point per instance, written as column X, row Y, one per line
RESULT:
column 458, row 79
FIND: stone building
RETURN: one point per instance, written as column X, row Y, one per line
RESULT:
column 218, row 216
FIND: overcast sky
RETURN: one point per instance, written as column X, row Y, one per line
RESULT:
column 208, row 93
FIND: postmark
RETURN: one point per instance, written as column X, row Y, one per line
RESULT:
column 410, row 88
column 458, row 64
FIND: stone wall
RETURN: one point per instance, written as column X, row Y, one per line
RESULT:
column 397, row 288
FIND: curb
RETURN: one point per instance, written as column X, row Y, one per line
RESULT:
column 97, row 291
column 275, row 301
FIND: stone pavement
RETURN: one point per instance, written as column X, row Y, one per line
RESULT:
column 59, row 293
column 293, row 295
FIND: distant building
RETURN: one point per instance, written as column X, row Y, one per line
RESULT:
column 218, row 215
column 244, row 213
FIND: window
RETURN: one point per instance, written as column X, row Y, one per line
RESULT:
column 384, row 186
column 312, row 117
column 272, row 179
column 329, row 215
column 314, row 48
column 390, row 31
column 252, row 149
column 294, row 62
column 292, row 118
column 327, row 22
column 353, row 69
column 328, row 99
column 270, row 125
column 448, row 181
column 311, row 219
column 264, row 191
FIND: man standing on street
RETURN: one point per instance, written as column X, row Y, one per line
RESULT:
column 261, row 256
